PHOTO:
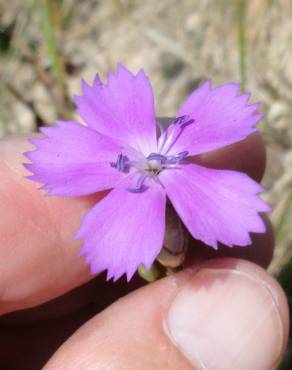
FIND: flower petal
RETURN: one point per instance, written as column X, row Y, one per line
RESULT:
column 123, row 108
column 216, row 205
column 221, row 117
column 73, row 160
column 124, row 230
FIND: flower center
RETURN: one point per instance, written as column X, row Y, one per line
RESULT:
column 154, row 166
column 151, row 166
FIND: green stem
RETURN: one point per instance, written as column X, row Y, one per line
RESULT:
column 241, row 41
column 49, row 34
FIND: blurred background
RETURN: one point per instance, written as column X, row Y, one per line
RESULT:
column 46, row 46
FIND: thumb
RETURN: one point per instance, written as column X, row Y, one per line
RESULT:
column 227, row 314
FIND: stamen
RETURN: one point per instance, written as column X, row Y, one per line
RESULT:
column 169, row 137
column 121, row 164
column 178, row 124
column 156, row 156
column 172, row 167
column 181, row 120
column 157, row 180
column 140, row 181
column 161, row 128
column 173, row 159
column 162, row 139
column 140, row 187
column 150, row 167
column 182, row 155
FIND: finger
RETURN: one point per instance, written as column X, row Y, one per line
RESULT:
column 35, row 343
column 38, row 256
column 39, row 331
column 226, row 315
column 260, row 251
column 97, row 291
column 247, row 156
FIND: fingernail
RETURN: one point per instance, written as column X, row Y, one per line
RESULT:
column 226, row 320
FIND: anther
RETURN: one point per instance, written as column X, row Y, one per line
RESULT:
column 180, row 120
column 173, row 159
column 156, row 156
column 121, row 163
column 140, row 187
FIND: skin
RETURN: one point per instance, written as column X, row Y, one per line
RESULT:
column 47, row 293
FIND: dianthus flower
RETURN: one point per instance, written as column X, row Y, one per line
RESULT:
column 121, row 149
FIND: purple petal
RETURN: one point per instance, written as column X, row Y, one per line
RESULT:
column 124, row 230
column 123, row 109
column 221, row 117
column 74, row 160
column 216, row 205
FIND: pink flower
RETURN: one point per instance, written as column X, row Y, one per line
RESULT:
column 119, row 149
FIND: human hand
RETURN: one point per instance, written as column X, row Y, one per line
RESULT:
column 218, row 314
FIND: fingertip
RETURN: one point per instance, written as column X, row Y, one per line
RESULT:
column 232, row 304
column 187, row 321
column 248, row 155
